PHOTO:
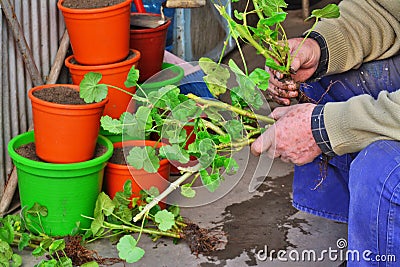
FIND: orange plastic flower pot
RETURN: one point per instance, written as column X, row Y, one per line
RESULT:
column 151, row 44
column 116, row 175
column 114, row 74
column 98, row 36
column 65, row 133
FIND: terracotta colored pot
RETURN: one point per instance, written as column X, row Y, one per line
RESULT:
column 65, row 133
column 113, row 74
column 116, row 175
column 151, row 44
column 100, row 35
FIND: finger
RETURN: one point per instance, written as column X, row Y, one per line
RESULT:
column 281, row 101
column 263, row 142
column 283, row 93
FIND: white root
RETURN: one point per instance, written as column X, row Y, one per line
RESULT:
column 188, row 172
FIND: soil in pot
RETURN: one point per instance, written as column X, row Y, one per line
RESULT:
column 60, row 95
column 29, row 151
column 89, row 4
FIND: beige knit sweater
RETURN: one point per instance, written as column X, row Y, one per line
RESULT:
column 366, row 30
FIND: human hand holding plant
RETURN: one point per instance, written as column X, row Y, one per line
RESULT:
column 290, row 138
column 303, row 65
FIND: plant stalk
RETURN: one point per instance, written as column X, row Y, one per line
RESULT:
column 226, row 106
column 164, row 194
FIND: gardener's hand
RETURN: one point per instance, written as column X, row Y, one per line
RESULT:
column 290, row 138
column 304, row 65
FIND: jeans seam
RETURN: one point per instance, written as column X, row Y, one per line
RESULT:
column 379, row 203
column 391, row 221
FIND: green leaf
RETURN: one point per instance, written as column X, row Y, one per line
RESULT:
column 211, row 182
column 57, row 245
column 132, row 78
column 274, row 19
column 174, row 152
column 5, row 251
column 24, row 241
column 186, row 110
column 234, row 129
column 216, row 76
column 174, row 209
column 38, row 210
column 238, row 15
column 225, row 139
column 16, row 260
column 269, row 62
column 128, row 250
column 165, row 219
column 7, row 232
column 231, row 166
column 90, row 264
column 187, row 191
column 328, row 12
column 104, row 205
column 260, row 77
column 90, row 88
column 38, row 252
column 207, row 152
column 112, row 125
column 143, row 158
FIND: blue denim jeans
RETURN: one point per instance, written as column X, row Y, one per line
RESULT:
column 361, row 189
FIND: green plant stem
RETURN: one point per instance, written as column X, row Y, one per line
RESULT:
column 289, row 62
column 213, row 127
column 239, row 144
column 164, row 194
column 226, row 106
column 258, row 10
column 137, row 229
column 134, row 96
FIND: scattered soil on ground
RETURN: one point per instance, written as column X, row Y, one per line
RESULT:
column 60, row 95
column 80, row 255
column 88, row 4
column 200, row 240
column 29, row 151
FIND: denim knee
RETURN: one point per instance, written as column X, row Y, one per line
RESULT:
column 374, row 210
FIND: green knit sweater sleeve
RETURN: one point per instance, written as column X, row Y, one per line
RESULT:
column 366, row 30
column 355, row 124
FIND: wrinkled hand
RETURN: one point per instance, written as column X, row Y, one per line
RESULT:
column 290, row 138
column 304, row 64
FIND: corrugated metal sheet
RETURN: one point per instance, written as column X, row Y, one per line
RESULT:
column 43, row 26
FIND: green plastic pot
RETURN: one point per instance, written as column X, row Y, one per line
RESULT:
column 66, row 190
column 151, row 84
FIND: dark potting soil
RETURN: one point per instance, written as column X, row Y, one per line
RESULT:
column 118, row 155
column 29, row 151
column 60, row 95
column 88, row 4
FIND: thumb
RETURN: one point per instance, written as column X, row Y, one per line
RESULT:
column 279, row 112
column 262, row 143
column 296, row 63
